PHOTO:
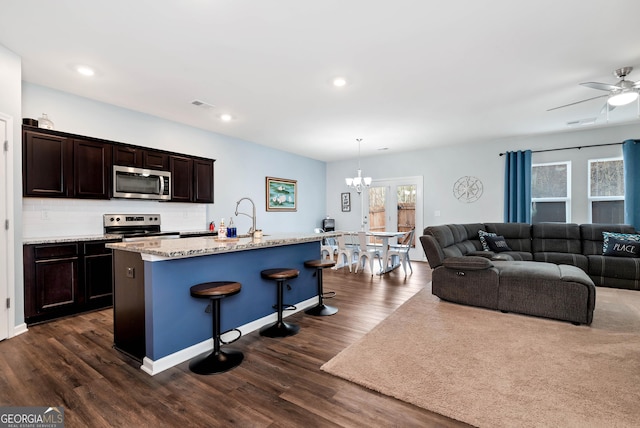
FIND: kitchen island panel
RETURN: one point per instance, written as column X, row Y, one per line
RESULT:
column 174, row 320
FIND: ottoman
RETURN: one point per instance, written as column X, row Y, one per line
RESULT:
column 547, row 290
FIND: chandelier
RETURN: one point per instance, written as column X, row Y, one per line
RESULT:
column 358, row 183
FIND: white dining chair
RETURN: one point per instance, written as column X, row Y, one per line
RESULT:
column 328, row 247
column 401, row 250
column 347, row 251
column 367, row 253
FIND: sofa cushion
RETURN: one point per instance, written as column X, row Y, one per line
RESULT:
column 578, row 260
column 592, row 239
column 614, row 267
column 622, row 248
column 606, row 237
column 517, row 235
column 556, row 238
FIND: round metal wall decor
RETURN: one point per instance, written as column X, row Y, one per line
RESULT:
column 467, row 189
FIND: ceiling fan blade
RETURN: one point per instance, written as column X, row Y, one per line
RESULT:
column 601, row 86
column 637, row 84
column 577, row 102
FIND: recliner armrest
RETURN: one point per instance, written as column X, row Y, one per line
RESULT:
column 468, row 263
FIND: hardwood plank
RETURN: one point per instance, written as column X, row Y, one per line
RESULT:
column 71, row 362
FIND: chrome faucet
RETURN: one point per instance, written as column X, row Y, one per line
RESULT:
column 253, row 217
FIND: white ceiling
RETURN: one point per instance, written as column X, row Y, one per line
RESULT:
column 422, row 72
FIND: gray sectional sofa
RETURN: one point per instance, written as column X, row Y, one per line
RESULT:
column 547, row 269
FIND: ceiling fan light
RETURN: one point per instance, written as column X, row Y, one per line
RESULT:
column 623, row 98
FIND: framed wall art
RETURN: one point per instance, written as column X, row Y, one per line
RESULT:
column 282, row 194
column 346, row 201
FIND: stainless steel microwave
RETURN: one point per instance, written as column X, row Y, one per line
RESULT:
column 139, row 183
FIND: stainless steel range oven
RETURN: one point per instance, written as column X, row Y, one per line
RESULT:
column 136, row 227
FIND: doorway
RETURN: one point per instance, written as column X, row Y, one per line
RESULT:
column 396, row 205
column 6, row 227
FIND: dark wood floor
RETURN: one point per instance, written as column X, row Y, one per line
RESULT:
column 71, row 363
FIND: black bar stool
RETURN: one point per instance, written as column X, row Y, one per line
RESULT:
column 217, row 361
column 280, row 328
column 321, row 309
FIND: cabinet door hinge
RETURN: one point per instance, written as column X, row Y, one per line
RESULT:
column 8, row 303
column 6, row 225
column 6, row 145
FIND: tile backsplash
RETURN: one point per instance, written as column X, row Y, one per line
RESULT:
column 51, row 217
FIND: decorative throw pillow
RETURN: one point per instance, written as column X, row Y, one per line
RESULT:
column 622, row 236
column 497, row 244
column 621, row 248
column 482, row 234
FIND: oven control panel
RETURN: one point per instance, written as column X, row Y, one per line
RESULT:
column 110, row 220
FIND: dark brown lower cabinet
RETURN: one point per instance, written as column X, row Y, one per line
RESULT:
column 128, row 304
column 65, row 279
column 98, row 275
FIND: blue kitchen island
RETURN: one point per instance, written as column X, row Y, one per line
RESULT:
column 158, row 322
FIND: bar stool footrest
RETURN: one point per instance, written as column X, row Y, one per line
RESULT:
column 329, row 295
column 286, row 307
column 231, row 341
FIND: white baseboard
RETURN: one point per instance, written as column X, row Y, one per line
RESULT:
column 154, row 367
column 19, row 329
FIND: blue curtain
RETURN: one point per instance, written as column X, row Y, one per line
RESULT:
column 517, row 187
column 631, row 156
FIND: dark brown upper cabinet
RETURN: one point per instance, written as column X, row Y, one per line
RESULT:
column 156, row 160
column 140, row 158
column 181, row 178
column 92, row 167
column 203, row 181
column 47, row 165
column 127, row 156
column 58, row 164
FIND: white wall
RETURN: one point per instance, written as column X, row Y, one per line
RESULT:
column 442, row 166
column 10, row 104
column 240, row 170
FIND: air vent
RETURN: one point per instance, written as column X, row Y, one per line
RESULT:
column 202, row 104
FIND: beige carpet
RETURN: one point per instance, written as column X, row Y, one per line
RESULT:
column 491, row 369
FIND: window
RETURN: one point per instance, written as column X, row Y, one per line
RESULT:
column 550, row 192
column 606, row 191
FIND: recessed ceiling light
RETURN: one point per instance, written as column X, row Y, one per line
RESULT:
column 85, row 71
column 383, row 148
column 226, row 117
column 339, row 82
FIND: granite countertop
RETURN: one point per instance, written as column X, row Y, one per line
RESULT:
column 163, row 249
column 101, row 237
column 77, row 238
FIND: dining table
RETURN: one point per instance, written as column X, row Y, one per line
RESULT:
column 385, row 236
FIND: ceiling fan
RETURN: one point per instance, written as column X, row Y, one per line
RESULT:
column 622, row 93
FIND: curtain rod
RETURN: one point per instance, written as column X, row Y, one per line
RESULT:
column 569, row 148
